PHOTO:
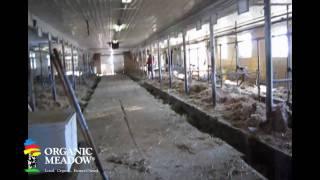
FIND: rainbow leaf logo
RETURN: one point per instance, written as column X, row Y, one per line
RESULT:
column 33, row 151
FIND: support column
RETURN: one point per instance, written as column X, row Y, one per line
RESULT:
column 84, row 64
column 151, row 48
column 87, row 64
column 141, row 62
column 258, row 69
column 79, row 67
column 170, row 62
column 208, row 66
column 289, row 66
column 186, row 86
column 237, row 49
column 72, row 61
column 30, row 83
column 213, row 67
column 159, row 64
column 40, row 59
column 198, row 68
column 268, row 53
column 221, row 74
column 53, row 83
column 63, row 58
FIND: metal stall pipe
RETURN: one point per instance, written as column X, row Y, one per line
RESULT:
column 30, row 83
column 186, row 86
column 41, row 64
column 170, row 62
column 258, row 70
column 159, row 64
column 72, row 61
column 268, row 53
column 63, row 57
column 80, row 118
column 53, row 83
column 213, row 66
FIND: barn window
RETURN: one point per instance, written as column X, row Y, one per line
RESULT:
column 245, row 46
column 279, row 42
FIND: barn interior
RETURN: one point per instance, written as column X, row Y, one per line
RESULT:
column 161, row 89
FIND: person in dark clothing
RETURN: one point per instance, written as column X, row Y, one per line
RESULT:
column 149, row 65
column 242, row 74
column 167, row 60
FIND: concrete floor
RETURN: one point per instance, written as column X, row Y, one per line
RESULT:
column 171, row 148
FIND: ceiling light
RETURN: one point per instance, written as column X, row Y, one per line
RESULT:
column 119, row 28
column 126, row 1
column 115, row 41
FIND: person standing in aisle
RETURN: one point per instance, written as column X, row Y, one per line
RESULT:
column 149, row 65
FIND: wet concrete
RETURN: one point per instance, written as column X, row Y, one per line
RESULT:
column 168, row 146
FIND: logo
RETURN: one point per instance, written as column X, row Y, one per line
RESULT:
column 55, row 159
column 33, row 151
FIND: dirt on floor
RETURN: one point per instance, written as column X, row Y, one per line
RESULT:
column 168, row 147
column 237, row 106
column 44, row 99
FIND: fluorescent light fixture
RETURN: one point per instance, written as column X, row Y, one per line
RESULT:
column 126, row 1
column 115, row 41
column 154, row 27
column 119, row 28
column 32, row 55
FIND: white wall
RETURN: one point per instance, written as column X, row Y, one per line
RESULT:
column 111, row 64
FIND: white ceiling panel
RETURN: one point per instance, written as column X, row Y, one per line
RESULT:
column 143, row 17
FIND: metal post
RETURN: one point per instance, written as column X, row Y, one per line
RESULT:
column 79, row 67
column 139, row 62
column 40, row 59
column 151, row 61
column 84, row 64
column 87, row 64
column 169, row 61
column 30, row 83
column 142, row 63
column 208, row 67
column 258, row 70
column 198, row 64
column 63, row 57
column 213, row 70
column 188, row 60
column 53, row 83
column 186, row 86
column 268, row 53
column 236, row 46
column 289, row 68
column 147, row 56
column 159, row 65
column 72, row 61
column 221, row 74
